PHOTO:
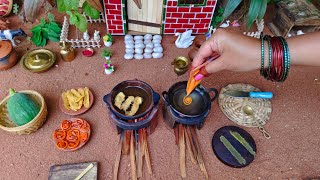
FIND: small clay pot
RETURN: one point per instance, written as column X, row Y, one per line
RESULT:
column 192, row 53
column 8, row 56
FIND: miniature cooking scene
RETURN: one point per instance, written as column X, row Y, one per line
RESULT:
column 172, row 89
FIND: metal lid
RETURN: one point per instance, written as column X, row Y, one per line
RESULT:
column 5, row 48
column 38, row 60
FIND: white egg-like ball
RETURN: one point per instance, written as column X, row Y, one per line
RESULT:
column 129, row 46
column 138, row 37
column 157, row 55
column 130, row 41
column 128, row 37
column 147, row 36
column 158, row 37
column 148, row 41
column 138, row 50
column 130, row 50
column 138, row 42
column 158, row 49
column 140, row 46
column 147, row 55
column 157, row 45
column 138, row 56
column 128, row 56
column 148, row 50
column 156, row 41
column 150, row 45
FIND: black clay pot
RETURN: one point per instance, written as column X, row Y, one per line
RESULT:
column 175, row 111
column 133, row 88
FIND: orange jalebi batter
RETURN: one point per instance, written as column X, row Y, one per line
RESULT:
column 192, row 84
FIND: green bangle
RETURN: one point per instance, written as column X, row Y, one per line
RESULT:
column 286, row 59
column 262, row 55
column 266, row 74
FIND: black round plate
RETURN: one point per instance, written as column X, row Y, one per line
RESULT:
column 224, row 155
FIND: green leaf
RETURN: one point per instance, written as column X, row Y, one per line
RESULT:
column 71, row 4
column 230, row 7
column 254, row 9
column 43, row 21
column 54, row 39
column 54, row 27
column 90, row 11
column 61, row 6
column 51, row 17
column 43, row 42
column 78, row 20
column 263, row 9
column 221, row 10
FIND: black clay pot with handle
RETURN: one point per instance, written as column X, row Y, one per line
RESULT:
column 133, row 88
column 175, row 111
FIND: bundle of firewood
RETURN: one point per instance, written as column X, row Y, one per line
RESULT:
column 186, row 139
column 134, row 143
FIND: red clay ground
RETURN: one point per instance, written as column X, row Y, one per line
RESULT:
column 292, row 152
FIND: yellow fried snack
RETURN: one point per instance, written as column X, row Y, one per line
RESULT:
column 80, row 103
column 76, row 93
column 120, row 97
column 65, row 101
column 81, row 91
column 135, row 106
column 86, row 97
column 71, row 96
column 73, row 106
column 127, row 103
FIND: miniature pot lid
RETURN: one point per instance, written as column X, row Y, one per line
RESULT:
column 5, row 48
column 38, row 60
column 234, row 146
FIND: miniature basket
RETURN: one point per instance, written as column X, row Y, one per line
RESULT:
column 233, row 107
column 7, row 125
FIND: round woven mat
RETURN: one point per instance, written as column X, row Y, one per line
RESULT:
column 233, row 107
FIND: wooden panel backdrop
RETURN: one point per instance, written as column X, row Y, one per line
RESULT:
column 147, row 19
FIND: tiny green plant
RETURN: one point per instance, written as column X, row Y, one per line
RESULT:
column 46, row 31
column 108, row 38
column 106, row 53
column 108, row 65
column 217, row 18
column 15, row 9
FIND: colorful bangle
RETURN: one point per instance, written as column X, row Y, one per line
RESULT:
column 262, row 55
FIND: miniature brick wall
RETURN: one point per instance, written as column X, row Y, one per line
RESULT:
column 182, row 18
column 177, row 18
column 114, row 16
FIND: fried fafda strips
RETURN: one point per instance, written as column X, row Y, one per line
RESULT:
column 135, row 107
column 127, row 103
column 120, row 97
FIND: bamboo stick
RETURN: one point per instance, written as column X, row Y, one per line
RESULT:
column 176, row 134
column 182, row 153
column 146, row 152
column 189, row 148
column 199, row 155
column 141, row 152
column 118, row 158
column 126, row 143
column 132, row 157
column 192, row 143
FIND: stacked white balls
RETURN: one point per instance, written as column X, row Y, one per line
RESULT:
column 139, row 47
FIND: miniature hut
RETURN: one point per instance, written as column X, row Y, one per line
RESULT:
column 294, row 15
column 158, row 16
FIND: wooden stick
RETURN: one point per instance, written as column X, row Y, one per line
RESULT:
column 141, row 152
column 189, row 148
column 84, row 172
column 126, row 143
column 176, row 134
column 182, row 148
column 213, row 57
column 118, row 157
column 132, row 157
column 146, row 152
column 199, row 155
column 192, row 143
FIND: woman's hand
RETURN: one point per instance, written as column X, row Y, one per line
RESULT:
column 237, row 52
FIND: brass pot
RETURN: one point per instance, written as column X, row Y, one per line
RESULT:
column 180, row 65
column 66, row 51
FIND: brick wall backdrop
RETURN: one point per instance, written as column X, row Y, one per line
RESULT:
column 181, row 18
column 114, row 16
